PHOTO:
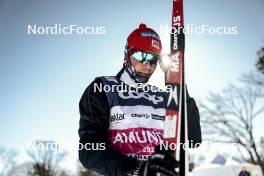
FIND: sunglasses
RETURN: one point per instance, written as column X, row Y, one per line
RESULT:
column 145, row 57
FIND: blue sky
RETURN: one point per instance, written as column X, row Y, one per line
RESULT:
column 43, row 76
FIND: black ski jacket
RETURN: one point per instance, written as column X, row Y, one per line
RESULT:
column 93, row 129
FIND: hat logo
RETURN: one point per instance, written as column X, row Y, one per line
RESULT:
column 149, row 35
column 155, row 44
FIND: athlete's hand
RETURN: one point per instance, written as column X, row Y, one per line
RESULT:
column 160, row 162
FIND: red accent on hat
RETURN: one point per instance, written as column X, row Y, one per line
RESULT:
column 144, row 39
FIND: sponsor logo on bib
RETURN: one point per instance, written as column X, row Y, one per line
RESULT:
column 117, row 117
column 137, row 95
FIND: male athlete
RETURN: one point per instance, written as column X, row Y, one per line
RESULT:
column 128, row 120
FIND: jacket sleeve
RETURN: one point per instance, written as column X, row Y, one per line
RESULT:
column 194, row 128
column 93, row 131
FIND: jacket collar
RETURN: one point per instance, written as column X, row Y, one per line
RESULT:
column 126, row 78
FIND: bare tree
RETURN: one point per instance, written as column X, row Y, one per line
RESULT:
column 253, row 78
column 7, row 162
column 45, row 160
column 229, row 116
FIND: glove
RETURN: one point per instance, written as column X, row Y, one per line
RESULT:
column 130, row 167
column 160, row 162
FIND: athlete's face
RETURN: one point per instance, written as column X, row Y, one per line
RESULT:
column 144, row 69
